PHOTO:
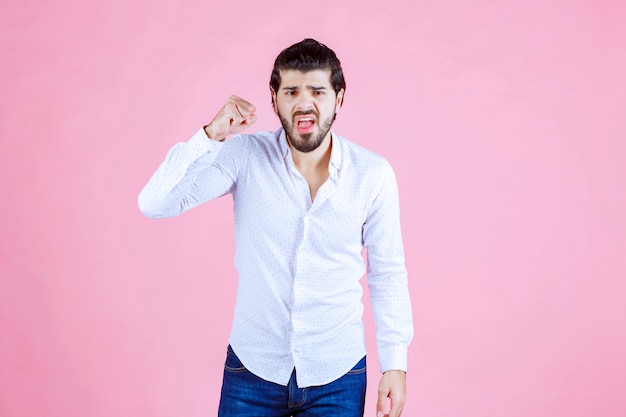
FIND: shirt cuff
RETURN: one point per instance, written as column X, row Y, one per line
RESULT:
column 200, row 144
column 393, row 358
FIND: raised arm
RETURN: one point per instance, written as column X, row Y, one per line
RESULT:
column 201, row 169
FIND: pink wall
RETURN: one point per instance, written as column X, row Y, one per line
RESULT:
column 504, row 121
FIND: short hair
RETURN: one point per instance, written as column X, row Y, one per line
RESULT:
column 308, row 55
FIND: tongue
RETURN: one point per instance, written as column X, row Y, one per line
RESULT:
column 304, row 125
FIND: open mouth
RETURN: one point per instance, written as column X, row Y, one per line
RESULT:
column 305, row 124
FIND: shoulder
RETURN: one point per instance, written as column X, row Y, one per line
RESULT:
column 257, row 145
column 263, row 137
column 266, row 140
column 366, row 170
column 362, row 159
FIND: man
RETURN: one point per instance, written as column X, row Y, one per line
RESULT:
column 306, row 203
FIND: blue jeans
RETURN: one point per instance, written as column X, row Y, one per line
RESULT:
column 246, row 395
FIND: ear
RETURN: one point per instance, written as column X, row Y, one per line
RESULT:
column 339, row 101
column 274, row 100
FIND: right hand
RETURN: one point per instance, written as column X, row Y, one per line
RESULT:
column 236, row 115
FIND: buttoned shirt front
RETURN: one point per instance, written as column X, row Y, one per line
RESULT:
column 299, row 261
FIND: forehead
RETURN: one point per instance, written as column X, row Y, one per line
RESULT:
column 295, row 78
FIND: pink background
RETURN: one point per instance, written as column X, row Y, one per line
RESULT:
column 504, row 121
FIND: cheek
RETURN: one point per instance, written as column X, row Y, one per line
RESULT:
column 284, row 108
column 283, row 114
column 330, row 108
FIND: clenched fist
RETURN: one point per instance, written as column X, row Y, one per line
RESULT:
column 236, row 115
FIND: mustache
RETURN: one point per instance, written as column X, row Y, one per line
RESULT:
column 305, row 113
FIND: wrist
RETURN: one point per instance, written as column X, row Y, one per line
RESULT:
column 395, row 371
column 211, row 134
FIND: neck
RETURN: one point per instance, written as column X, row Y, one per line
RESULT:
column 316, row 159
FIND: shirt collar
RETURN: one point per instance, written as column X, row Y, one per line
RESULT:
column 335, row 151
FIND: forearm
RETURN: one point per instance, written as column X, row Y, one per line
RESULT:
column 391, row 306
column 185, row 179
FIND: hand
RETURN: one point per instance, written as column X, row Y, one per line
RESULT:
column 393, row 386
column 236, row 115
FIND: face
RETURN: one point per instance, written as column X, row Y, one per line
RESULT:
column 306, row 105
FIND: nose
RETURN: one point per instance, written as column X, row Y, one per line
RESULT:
column 304, row 103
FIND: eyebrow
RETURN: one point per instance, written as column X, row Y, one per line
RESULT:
column 309, row 87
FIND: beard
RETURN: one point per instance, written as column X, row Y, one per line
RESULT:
column 306, row 142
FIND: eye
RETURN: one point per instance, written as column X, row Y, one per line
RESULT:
column 318, row 92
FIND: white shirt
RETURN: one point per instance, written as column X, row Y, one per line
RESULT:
column 299, row 262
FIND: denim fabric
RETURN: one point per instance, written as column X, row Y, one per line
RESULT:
column 246, row 395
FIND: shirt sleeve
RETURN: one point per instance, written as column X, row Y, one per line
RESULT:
column 193, row 172
column 387, row 275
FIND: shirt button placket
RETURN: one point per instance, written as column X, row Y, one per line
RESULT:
column 297, row 332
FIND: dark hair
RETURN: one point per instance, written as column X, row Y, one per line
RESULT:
column 305, row 56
